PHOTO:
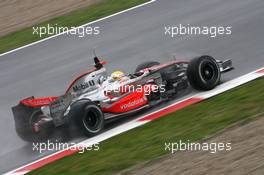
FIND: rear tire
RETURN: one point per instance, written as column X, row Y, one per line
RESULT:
column 24, row 128
column 91, row 119
column 145, row 65
column 203, row 73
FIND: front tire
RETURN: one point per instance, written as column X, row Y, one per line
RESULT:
column 203, row 73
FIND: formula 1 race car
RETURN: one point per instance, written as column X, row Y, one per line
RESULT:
column 94, row 97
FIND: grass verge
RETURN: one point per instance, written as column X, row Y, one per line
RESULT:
column 192, row 123
column 75, row 18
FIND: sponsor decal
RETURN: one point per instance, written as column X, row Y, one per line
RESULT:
column 83, row 86
column 132, row 103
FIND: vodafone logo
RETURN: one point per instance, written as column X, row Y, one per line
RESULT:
column 132, row 103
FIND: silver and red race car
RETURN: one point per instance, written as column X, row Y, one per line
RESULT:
column 94, row 97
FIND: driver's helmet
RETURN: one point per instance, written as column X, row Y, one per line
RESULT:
column 117, row 75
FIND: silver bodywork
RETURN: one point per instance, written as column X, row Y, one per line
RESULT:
column 90, row 86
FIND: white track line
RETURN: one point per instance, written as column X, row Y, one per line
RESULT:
column 53, row 36
column 138, row 122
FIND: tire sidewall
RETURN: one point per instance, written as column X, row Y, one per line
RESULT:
column 98, row 115
column 216, row 74
column 195, row 73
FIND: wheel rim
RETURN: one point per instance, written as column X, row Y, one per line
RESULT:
column 35, row 117
column 208, row 72
column 91, row 120
column 43, row 133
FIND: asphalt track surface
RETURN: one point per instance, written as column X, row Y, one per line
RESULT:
column 45, row 69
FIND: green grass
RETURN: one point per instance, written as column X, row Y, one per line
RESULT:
column 192, row 123
column 75, row 18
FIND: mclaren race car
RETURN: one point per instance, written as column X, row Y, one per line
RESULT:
column 94, row 97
